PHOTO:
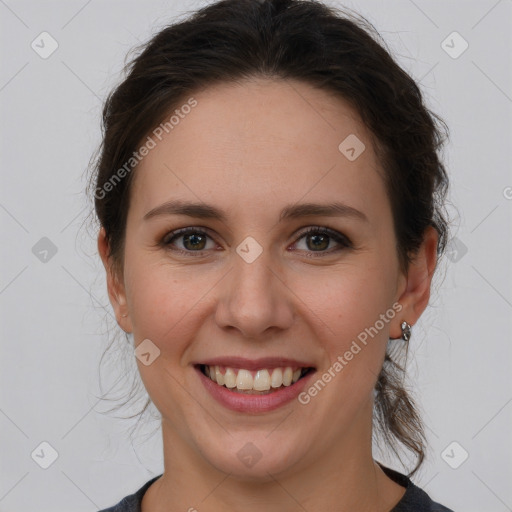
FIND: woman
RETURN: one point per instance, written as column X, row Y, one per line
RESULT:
column 270, row 199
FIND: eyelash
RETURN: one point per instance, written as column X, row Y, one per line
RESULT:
column 315, row 230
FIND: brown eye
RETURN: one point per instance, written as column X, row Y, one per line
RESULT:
column 318, row 240
column 188, row 240
column 194, row 241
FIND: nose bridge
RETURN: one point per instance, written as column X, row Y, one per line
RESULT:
column 253, row 298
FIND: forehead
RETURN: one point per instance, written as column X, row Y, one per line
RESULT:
column 260, row 140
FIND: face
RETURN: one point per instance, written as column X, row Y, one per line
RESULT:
column 247, row 287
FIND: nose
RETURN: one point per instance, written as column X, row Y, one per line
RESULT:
column 254, row 298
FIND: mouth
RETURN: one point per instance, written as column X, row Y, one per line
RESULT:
column 262, row 381
column 254, row 386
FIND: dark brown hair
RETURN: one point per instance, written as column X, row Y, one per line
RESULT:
column 330, row 49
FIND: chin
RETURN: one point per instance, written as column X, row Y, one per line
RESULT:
column 254, row 457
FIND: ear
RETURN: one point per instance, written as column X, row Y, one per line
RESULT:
column 414, row 289
column 115, row 286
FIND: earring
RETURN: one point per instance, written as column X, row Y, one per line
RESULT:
column 406, row 331
column 125, row 315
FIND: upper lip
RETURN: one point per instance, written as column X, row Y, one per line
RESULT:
column 255, row 364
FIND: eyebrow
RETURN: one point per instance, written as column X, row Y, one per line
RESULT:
column 292, row 211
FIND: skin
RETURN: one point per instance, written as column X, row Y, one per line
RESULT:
column 250, row 149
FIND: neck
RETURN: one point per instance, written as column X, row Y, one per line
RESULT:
column 343, row 478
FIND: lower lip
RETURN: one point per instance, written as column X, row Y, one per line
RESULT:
column 253, row 403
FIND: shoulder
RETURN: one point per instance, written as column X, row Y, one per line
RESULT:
column 414, row 499
column 131, row 503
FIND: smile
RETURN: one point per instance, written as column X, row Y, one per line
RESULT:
column 251, row 382
column 254, row 390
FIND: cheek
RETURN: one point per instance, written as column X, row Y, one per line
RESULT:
column 345, row 300
column 164, row 306
column 345, row 307
column 162, row 302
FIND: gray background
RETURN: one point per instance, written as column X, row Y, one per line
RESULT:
column 54, row 307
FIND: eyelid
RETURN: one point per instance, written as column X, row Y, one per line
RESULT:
column 183, row 231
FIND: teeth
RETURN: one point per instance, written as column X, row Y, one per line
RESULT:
column 277, row 378
column 244, row 380
column 218, row 376
column 287, row 376
column 262, row 380
column 229, row 378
